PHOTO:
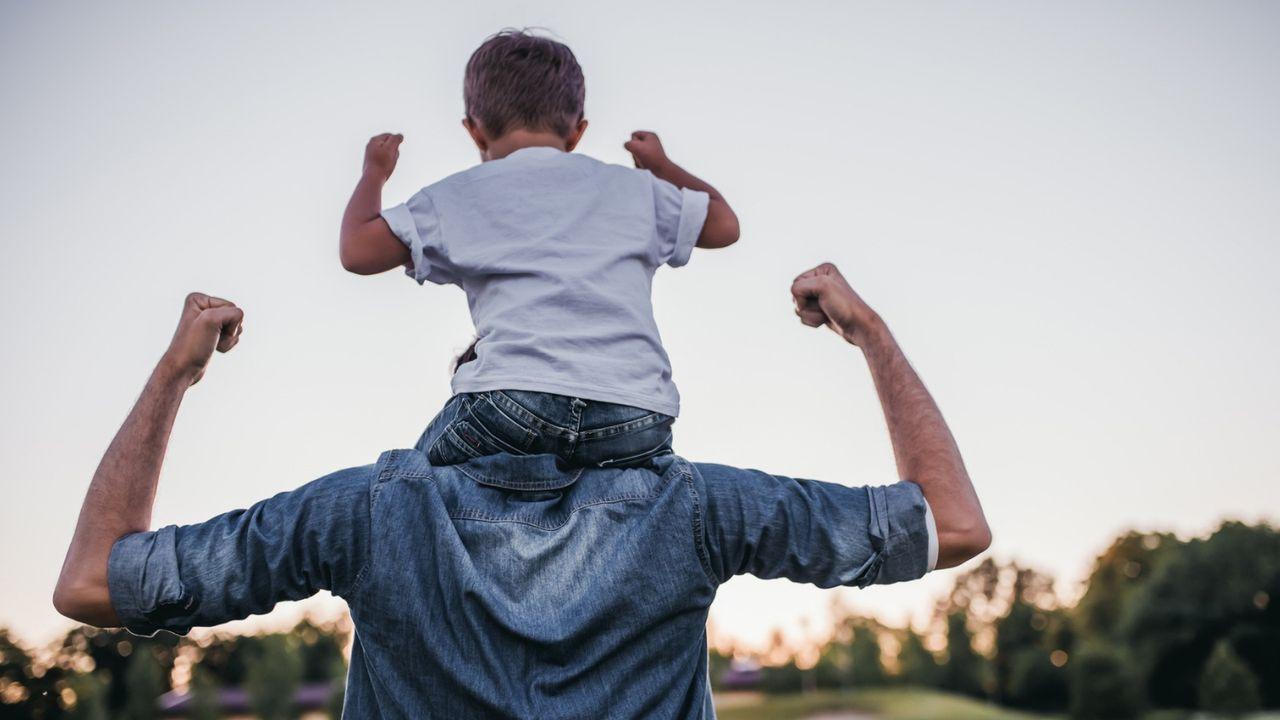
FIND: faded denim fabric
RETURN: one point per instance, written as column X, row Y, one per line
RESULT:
column 506, row 588
column 580, row 433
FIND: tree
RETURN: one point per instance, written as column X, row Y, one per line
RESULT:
column 91, row 697
column 1227, row 686
column 865, row 666
column 1220, row 586
column 962, row 673
column 1035, row 682
column 144, row 678
column 108, row 654
column 916, row 665
column 1102, row 685
column 1117, row 574
column 273, row 678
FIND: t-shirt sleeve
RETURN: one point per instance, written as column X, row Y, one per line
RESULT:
column 680, row 215
column 813, row 532
column 417, row 225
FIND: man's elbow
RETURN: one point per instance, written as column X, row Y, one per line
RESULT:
column 70, row 602
column 87, row 603
column 959, row 545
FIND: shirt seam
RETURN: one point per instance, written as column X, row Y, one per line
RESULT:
column 699, row 541
column 387, row 463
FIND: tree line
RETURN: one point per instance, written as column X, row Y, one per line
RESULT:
column 1162, row 623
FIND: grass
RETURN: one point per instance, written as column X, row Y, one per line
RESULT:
column 897, row 704
column 885, row 704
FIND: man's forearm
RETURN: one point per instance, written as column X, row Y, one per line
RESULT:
column 120, row 497
column 925, row 450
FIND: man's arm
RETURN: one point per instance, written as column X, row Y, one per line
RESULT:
column 926, row 452
column 123, row 489
column 366, row 245
column 721, row 227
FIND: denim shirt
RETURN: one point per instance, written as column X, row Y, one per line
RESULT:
column 507, row 587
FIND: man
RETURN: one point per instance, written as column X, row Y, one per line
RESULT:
column 506, row 587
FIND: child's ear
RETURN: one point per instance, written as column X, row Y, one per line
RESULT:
column 477, row 136
column 575, row 135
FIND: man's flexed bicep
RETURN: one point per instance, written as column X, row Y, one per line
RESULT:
column 809, row 531
column 243, row 562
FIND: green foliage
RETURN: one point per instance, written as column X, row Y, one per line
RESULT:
column 91, row 697
column 145, row 680
column 964, row 668
column 273, row 677
column 916, row 665
column 1035, row 683
column 1204, row 591
column 782, row 679
column 1117, row 574
column 1227, row 686
column 1102, row 685
column 866, row 669
column 109, row 654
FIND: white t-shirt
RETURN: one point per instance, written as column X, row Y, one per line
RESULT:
column 556, row 252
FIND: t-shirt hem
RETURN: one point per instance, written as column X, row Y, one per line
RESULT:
column 586, row 392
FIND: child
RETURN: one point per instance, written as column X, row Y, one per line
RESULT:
column 556, row 253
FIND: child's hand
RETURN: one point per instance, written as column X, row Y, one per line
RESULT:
column 381, row 154
column 646, row 149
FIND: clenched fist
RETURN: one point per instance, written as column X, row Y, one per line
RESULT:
column 823, row 297
column 207, row 324
column 646, row 149
column 381, row 154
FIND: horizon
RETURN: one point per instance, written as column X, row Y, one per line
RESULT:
column 1067, row 215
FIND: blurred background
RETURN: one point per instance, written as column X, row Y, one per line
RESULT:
column 1068, row 213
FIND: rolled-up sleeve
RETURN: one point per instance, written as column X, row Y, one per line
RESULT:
column 810, row 531
column 417, row 225
column 680, row 215
column 243, row 562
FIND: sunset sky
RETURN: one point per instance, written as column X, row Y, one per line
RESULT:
column 1068, row 213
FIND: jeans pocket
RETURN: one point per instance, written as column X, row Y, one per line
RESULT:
column 480, row 429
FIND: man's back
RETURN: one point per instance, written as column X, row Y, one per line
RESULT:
column 501, row 594
column 506, row 587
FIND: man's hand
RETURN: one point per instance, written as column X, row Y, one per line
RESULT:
column 823, row 297
column 646, row 149
column 381, row 154
column 207, row 324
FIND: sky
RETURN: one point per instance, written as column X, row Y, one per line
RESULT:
column 1069, row 215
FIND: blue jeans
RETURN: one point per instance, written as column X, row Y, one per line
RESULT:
column 580, row 433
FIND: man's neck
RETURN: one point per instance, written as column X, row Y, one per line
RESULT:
column 520, row 139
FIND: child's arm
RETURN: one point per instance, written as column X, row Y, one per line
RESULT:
column 366, row 245
column 721, row 227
